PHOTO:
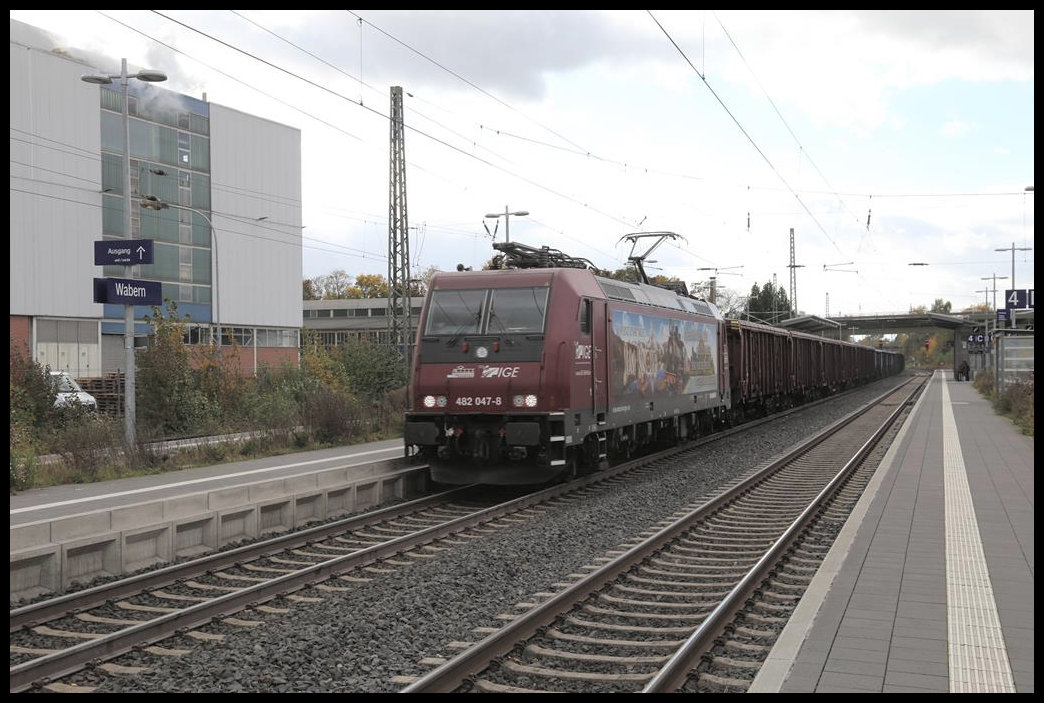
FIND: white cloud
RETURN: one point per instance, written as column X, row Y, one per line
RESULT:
column 595, row 121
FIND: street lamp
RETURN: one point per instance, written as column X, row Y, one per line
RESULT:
column 128, row 309
column 1014, row 249
column 507, row 219
column 151, row 202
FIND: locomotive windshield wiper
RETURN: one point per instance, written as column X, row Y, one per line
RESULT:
column 460, row 330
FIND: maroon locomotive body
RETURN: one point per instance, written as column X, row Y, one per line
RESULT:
column 522, row 375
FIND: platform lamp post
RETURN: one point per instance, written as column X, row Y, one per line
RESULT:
column 130, row 435
column 507, row 215
column 151, row 202
column 994, row 278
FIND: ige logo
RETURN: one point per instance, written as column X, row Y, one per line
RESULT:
column 500, row 372
column 583, row 351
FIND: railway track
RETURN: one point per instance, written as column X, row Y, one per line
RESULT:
column 696, row 605
column 168, row 611
column 54, row 638
column 121, row 626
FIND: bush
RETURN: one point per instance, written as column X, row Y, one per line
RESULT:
column 339, row 395
column 32, row 394
column 1016, row 402
column 90, row 445
column 331, row 416
column 24, row 464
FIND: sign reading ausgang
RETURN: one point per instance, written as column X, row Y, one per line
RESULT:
column 123, row 251
column 128, row 291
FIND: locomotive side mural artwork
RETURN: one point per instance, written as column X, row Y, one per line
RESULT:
column 657, row 355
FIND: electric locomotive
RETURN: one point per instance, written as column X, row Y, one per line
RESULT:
column 523, row 374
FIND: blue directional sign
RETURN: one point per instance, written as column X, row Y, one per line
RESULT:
column 123, row 251
column 128, row 291
column 1002, row 317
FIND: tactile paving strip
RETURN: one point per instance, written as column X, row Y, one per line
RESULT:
column 978, row 658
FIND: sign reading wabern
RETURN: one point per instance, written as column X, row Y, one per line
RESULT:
column 123, row 251
column 128, row 291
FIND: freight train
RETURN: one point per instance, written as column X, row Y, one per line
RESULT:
column 542, row 369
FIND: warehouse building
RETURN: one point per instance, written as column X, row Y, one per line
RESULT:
column 222, row 207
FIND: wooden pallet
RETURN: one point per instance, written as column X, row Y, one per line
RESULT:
column 108, row 391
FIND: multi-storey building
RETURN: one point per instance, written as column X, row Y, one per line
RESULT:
column 226, row 234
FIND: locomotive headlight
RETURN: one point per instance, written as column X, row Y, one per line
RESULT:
column 481, row 352
column 431, row 401
column 524, row 401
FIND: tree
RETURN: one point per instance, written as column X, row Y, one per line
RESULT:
column 941, row 306
column 768, row 304
column 728, row 301
column 335, row 285
column 627, row 273
column 372, row 285
column 372, row 370
column 167, row 401
column 420, row 285
column 308, row 290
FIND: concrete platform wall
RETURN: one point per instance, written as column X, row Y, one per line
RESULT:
column 48, row 557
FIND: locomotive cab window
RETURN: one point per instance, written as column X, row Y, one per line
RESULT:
column 455, row 312
column 517, row 310
column 585, row 317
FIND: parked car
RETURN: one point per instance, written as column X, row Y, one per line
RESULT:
column 70, row 393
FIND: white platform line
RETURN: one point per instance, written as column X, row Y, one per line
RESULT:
column 977, row 656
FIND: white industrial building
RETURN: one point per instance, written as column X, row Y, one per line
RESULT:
column 225, row 177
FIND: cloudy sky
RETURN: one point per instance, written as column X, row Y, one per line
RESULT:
column 881, row 138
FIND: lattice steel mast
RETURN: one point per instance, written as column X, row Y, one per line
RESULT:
column 400, row 317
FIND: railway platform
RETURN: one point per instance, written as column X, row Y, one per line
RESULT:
column 930, row 586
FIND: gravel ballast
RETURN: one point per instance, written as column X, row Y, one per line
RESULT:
column 358, row 640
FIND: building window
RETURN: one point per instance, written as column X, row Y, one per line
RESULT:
column 184, row 148
column 186, row 265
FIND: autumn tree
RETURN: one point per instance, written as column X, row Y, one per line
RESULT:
column 372, row 285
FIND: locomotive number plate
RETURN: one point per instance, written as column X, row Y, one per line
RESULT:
column 480, row 400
